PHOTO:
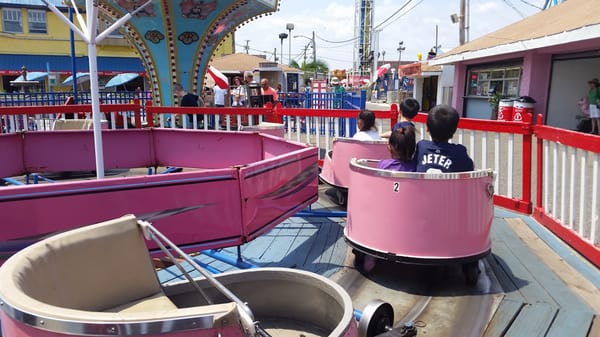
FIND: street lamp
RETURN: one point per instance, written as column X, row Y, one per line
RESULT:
column 282, row 36
column 400, row 49
column 314, row 46
column 289, row 27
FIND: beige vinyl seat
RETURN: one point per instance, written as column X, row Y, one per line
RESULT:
column 97, row 273
column 77, row 124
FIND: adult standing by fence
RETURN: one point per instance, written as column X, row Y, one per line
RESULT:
column 338, row 90
column 186, row 99
column 594, row 100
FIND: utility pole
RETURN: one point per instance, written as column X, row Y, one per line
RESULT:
column 275, row 55
column 314, row 48
column 247, row 46
column 375, row 46
column 282, row 36
column 305, row 49
column 461, row 23
column 289, row 27
column 400, row 49
column 314, row 55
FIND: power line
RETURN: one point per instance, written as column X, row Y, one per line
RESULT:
column 403, row 14
column 511, row 5
column 379, row 25
column 329, row 41
column 391, row 16
column 532, row 5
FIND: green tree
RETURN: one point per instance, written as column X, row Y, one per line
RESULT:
column 294, row 64
column 318, row 66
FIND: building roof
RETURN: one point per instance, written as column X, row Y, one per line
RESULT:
column 240, row 62
column 571, row 21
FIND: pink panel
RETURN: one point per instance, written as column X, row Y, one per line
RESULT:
column 275, row 189
column 58, row 151
column 128, row 148
column 327, row 173
column 345, row 149
column 433, row 219
column 11, row 155
column 206, row 149
column 40, row 209
column 273, row 147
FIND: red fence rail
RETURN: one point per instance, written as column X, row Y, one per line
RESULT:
column 565, row 163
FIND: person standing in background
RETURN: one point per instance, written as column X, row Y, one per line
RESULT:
column 338, row 91
column 267, row 90
column 186, row 100
column 221, row 96
column 239, row 92
column 594, row 100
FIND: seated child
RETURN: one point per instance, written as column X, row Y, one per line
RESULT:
column 438, row 155
column 409, row 108
column 402, row 148
column 366, row 126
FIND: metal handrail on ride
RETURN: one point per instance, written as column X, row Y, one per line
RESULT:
column 250, row 325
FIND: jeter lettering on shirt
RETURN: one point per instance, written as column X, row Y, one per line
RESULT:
column 435, row 159
column 446, row 157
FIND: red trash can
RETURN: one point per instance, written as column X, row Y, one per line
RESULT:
column 505, row 110
column 523, row 109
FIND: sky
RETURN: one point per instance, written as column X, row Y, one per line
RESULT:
column 415, row 26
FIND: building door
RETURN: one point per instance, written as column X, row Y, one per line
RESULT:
column 429, row 99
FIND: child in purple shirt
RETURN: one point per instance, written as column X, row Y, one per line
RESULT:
column 402, row 148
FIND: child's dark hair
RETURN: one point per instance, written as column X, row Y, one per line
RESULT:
column 442, row 121
column 368, row 118
column 403, row 143
column 409, row 108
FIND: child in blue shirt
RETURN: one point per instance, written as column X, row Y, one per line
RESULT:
column 409, row 108
column 402, row 148
column 438, row 154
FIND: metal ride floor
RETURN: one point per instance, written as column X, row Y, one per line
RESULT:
column 531, row 285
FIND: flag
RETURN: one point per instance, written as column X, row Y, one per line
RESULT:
column 220, row 79
column 383, row 69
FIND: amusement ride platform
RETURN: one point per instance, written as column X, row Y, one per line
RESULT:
column 531, row 285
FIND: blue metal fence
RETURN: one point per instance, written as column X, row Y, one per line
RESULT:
column 60, row 98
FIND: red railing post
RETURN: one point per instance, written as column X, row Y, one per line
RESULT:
column 393, row 115
column 539, row 180
column 149, row 115
column 138, row 113
column 527, row 167
column 275, row 116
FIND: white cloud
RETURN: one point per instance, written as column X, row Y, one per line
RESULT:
column 334, row 21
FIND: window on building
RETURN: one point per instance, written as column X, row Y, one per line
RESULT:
column 37, row 22
column 12, row 20
column 504, row 80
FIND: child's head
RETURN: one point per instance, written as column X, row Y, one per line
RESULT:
column 402, row 143
column 409, row 108
column 366, row 120
column 442, row 121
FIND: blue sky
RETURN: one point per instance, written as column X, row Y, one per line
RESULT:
column 415, row 26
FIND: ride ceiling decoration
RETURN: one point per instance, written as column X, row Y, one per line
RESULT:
column 176, row 39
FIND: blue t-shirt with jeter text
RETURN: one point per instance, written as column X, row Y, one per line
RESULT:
column 443, row 156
